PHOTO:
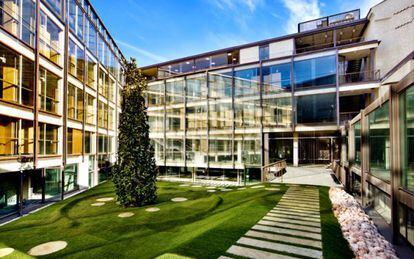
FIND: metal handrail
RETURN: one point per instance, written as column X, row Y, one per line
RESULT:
column 280, row 170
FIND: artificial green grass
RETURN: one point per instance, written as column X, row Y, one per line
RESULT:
column 333, row 242
column 205, row 226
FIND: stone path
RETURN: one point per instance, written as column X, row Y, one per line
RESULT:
column 292, row 229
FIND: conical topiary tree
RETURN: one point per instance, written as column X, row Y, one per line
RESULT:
column 135, row 172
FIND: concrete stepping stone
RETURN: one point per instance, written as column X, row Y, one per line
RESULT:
column 292, row 221
column 197, row 186
column 211, row 190
column 290, row 216
column 298, row 201
column 257, row 186
column 153, row 209
column 184, row 185
column 6, row 251
column 297, row 209
column 211, row 187
column 309, row 253
column 47, row 248
column 296, row 214
column 225, row 257
column 300, row 198
column 293, row 209
column 272, row 189
column 226, row 190
column 241, row 188
column 98, row 204
column 291, row 226
column 286, row 231
column 126, row 214
column 179, row 199
column 287, row 239
column 254, row 253
column 307, row 204
column 299, row 206
column 105, row 199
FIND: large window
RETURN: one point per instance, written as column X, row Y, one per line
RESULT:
column 76, row 61
column 379, row 142
column 277, row 112
column 56, row 6
column 155, row 94
column 102, row 143
column 75, row 103
column 49, row 91
column 220, row 103
column 75, row 16
column 71, row 178
column 8, row 136
column 90, row 109
column 102, row 115
column 316, row 108
column 357, row 140
column 175, row 149
column 18, row 18
column 50, row 46
column 276, row 78
column 9, row 190
column 16, row 78
column 92, row 73
column 91, row 38
column 48, row 140
column 407, row 139
column 315, row 72
column 103, row 83
column 74, row 141
column 88, row 142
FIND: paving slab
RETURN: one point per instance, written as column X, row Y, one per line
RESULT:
column 311, row 206
column 283, row 238
column 6, row 251
column 294, row 206
column 298, row 214
column 286, row 231
column 308, row 252
column 292, row 221
column 291, row 226
column 47, row 248
column 291, row 216
column 316, row 211
column 254, row 253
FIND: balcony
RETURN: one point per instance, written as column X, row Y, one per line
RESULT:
column 328, row 21
column 359, row 77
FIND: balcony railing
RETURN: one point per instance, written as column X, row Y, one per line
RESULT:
column 360, row 76
column 329, row 21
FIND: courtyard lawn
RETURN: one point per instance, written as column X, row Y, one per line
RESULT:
column 204, row 226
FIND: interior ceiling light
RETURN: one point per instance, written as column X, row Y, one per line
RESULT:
column 228, row 54
column 207, row 58
column 188, row 62
column 353, row 30
column 234, row 59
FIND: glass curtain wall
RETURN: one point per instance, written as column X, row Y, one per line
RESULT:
column 315, row 72
column 316, row 108
column 357, row 141
column 49, row 91
column 277, row 99
column 407, row 139
column 50, row 39
column 379, row 142
column 18, row 18
column 13, row 87
column 196, row 121
column 247, row 98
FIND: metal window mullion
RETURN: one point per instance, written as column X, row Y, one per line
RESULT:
column 261, row 119
column 165, row 124
column 233, row 125
column 208, row 121
column 185, row 123
column 337, row 88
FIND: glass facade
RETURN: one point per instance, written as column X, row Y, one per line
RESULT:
column 407, row 139
column 48, row 140
column 71, row 178
column 50, row 39
column 16, row 78
column 316, row 108
column 49, row 91
column 379, row 142
column 357, row 143
column 315, row 72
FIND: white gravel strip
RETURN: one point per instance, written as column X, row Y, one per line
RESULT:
column 358, row 228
